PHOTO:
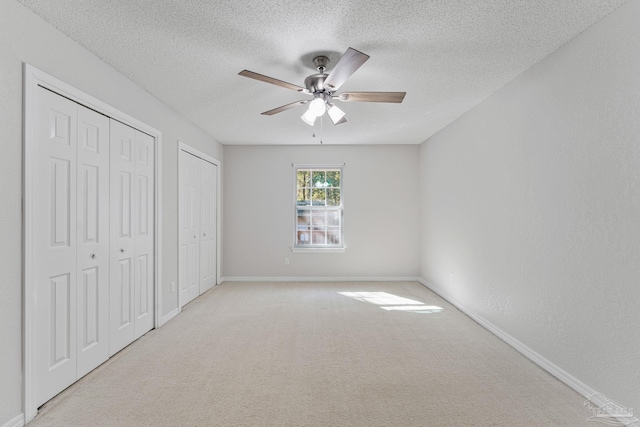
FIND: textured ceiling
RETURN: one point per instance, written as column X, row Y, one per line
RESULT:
column 447, row 55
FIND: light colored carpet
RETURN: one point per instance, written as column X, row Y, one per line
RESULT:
column 302, row 354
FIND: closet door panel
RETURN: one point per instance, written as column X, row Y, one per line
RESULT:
column 54, row 267
column 189, row 239
column 208, row 226
column 143, row 233
column 183, row 224
column 194, row 214
column 92, row 240
column 122, row 260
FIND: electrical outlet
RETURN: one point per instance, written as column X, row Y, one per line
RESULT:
column 173, row 287
column 286, row 261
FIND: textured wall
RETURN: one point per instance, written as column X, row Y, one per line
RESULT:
column 26, row 38
column 532, row 201
column 381, row 211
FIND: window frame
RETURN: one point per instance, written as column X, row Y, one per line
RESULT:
column 319, row 248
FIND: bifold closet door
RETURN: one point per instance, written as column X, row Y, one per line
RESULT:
column 197, row 240
column 144, row 235
column 132, row 239
column 70, row 262
column 189, row 200
column 93, row 240
column 208, row 218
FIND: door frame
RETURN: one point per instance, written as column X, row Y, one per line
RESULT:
column 33, row 78
column 195, row 152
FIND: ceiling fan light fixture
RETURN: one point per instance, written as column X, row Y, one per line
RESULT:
column 335, row 114
column 321, row 86
column 317, row 107
column 309, row 117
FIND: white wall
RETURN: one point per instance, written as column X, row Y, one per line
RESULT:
column 532, row 200
column 26, row 38
column 381, row 211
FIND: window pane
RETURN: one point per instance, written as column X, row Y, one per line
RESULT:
column 304, row 197
column 333, row 237
column 318, row 219
column 303, row 221
column 333, row 197
column 333, row 178
column 333, row 218
column 318, row 196
column 319, row 238
column 304, row 178
column 303, row 238
column 318, row 179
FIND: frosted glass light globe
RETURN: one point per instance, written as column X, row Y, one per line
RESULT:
column 317, row 107
column 309, row 118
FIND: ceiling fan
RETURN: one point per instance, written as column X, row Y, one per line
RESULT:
column 322, row 87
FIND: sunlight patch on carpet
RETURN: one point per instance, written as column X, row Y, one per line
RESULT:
column 392, row 302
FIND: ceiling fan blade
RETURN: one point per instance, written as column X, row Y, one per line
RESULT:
column 346, row 66
column 395, row 97
column 284, row 108
column 267, row 79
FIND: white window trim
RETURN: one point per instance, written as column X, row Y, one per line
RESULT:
column 318, row 249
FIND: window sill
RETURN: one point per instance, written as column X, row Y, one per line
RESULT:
column 319, row 250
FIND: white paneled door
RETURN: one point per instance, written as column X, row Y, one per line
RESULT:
column 93, row 240
column 55, row 245
column 198, row 226
column 208, row 231
column 70, row 248
column 143, row 214
column 121, row 243
column 131, row 243
column 189, row 238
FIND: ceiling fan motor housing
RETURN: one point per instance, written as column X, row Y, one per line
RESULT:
column 315, row 82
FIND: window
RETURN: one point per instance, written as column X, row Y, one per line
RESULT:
column 319, row 207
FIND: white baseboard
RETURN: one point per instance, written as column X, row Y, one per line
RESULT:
column 18, row 421
column 595, row 398
column 319, row 279
column 173, row 313
column 535, row 357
